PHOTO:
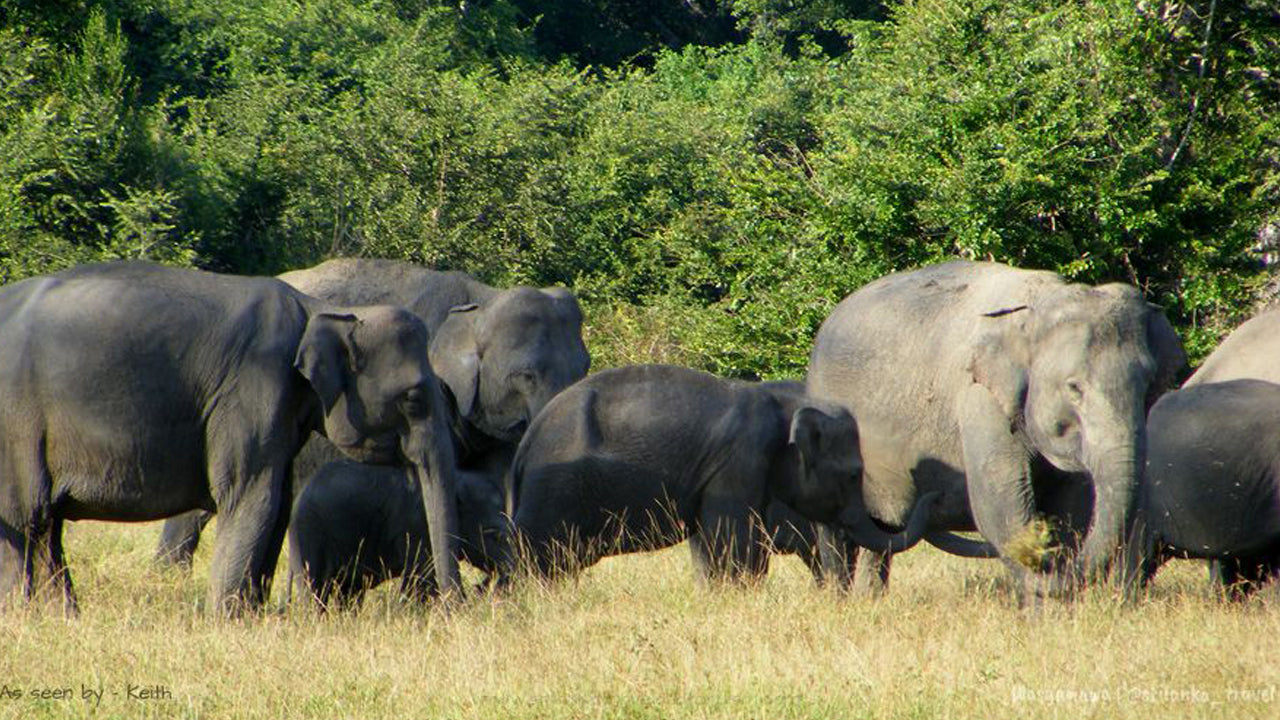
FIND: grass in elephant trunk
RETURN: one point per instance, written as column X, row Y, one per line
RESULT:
column 637, row 637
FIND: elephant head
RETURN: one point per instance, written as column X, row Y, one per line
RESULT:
column 1074, row 376
column 828, row 485
column 381, row 403
column 505, row 359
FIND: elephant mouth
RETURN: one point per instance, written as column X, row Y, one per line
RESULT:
column 512, row 432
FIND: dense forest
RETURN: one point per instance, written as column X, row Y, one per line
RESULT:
column 712, row 173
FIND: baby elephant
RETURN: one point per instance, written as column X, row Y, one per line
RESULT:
column 1212, row 487
column 643, row 457
column 355, row 526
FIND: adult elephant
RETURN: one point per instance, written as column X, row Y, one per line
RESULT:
column 643, row 457
column 502, row 354
column 1252, row 350
column 1212, row 486
column 1013, row 393
column 135, row 391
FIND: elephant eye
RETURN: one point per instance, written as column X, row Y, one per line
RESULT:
column 1075, row 390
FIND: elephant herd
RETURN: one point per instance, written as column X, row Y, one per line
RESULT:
column 389, row 420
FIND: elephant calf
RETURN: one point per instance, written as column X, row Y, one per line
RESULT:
column 643, row 457
column 356, row 526
column 1212, row 487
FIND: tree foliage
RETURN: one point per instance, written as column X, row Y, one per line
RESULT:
column 715, row 173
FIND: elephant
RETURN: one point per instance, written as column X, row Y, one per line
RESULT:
column 502, row 354
column 1252, row 350
column 1212, row 486
column 1249, row 351
column 642, row 457
column 355, row 526
column 1018, row 396
column 824, row 550
column 135, row 391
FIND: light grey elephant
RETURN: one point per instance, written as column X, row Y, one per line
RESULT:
column 134, row 392
column 1252, row 350
column 1212, row 487
column 502, row 354
column 643, row 457
column 355, row 526
column 1013, row 393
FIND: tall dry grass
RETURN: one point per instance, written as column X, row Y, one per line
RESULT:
column 637, row 637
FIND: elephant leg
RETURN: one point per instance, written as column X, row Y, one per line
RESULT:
column 16, row 570
column 31, row 544
column 710, row 570
column 1240, row 577
column 810, row 553
column 251, row 530
column 870, row 571
column 998, row 476
column 1140, row 560
column 836, row 557
column 700, row 555
column 180, row 537
column 55, row 566
column 733, row 537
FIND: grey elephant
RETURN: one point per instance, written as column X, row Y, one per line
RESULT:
column 1013, row 393
column 1252, row 350
column 824, row 550
column 1212, row 487
column 134, row 392
column 502, row 354
column 643, row 457
column 355, row 526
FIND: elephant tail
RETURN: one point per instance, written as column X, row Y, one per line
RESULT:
column 962, row 546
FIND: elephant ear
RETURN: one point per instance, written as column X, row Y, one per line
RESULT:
column 1166, row 349
column 327, row 355
column 822, row 440
column 814, row 432
column 806, row 431
column 999, row 362
column 456, row 354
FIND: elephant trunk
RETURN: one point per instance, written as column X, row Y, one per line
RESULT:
column 1116, row 471
column 961, row 546
column 429, row 449
column 859, row 527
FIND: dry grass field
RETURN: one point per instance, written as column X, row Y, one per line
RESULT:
column 636, row 637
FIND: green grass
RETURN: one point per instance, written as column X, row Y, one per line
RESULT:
column 637, row 637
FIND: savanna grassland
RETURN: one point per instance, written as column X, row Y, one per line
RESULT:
column 637, row 637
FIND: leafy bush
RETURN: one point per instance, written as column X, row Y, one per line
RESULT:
column 711, row 198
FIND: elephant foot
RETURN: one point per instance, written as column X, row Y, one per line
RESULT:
column 1035, row 589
